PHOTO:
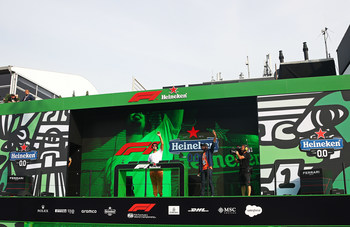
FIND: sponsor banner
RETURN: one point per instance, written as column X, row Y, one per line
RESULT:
column 252, row 210
column 65, row 211
column 16, row 178
column 173, row 93
column 110, row 211
column 175, row 96
column 257, row 210
column 31, row 155
column 227, row 210
column 43, row 209
column 311, row 173
column 173, row 210
column 88, row 211
column 198, row 210
column 145, row 147
column 146, row 95
column 307, row 144
column 140, row 211
column 178, row 146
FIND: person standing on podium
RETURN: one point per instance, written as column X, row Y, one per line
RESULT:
column 206, row 166
column 157, row 174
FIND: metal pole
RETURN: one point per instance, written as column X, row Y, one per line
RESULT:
column 208, row 181
column 247, row 63
column 90, row 183
column 344, row 178
column 274, row 172
column 145, row 182
column 324, row 33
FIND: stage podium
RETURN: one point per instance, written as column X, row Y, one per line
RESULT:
column 123, row 183
column 315, row 181
column 19, row 185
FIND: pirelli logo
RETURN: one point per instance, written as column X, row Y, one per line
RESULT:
column 148, row 95
column 144, row 147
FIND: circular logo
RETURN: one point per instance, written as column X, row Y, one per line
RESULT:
column 130, row 215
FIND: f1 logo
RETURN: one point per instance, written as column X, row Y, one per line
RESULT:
column 142, row 206
column 150, row 95
column 145, row 147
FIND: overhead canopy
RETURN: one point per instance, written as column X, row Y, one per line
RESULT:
column 59, row 83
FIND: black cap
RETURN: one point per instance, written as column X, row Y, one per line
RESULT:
column 204, row 144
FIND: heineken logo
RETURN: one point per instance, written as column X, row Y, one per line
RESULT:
column 32, row 155
column 321, row 147
column 173, row 94
column 23, row 156
column 178, row 146
column 335, row 144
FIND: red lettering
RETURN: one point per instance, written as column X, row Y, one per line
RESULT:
column 145, row 147
column 150, row 95
column 142, row 206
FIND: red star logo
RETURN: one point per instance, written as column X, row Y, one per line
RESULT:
column 320, row 134
column 193, row 132
column 173, row 90
column 24, row 147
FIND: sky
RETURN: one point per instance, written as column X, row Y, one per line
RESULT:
column 165, row 42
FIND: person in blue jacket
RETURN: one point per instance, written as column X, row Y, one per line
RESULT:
column 28, row 96
column 206, row 166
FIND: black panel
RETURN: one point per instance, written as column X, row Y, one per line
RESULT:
column 263, row 210
column 44, row 94
column 343, row 52
column 4, row 91
column 26, row 86
column 324, row 67
column 5, row 79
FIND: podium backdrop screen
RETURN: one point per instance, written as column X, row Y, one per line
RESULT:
column 119, row 135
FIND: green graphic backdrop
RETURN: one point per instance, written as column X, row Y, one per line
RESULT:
column 285, row 120
column 104, row 131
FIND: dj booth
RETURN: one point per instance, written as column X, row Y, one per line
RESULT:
column 124, row 183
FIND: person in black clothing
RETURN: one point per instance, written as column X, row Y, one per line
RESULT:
column 244, row 169
column 206, row 166
column 28, row 96
column 11, row 98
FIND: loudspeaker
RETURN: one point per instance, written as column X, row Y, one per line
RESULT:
column 314, row 181
column 5, row 193
column 47, row 194
column 337, row 191
column 24, row 193
column 18, row 184
column 129, row 186
column 268, row 192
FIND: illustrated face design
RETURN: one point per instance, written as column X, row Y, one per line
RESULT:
column 291, row 126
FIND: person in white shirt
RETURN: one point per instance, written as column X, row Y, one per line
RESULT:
column 157, row 175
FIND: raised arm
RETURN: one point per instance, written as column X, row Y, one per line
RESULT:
column 214, row 141
column 176, row 117
column 161, row 141
column 214, row 136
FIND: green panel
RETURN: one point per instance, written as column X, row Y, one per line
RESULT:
column 256, row 88
column 43, row 182
column 62, row 224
